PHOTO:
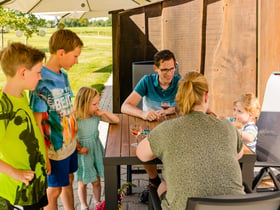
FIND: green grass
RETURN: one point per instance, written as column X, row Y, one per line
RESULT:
column 95, row 61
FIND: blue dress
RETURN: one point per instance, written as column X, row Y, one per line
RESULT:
column 91, row 165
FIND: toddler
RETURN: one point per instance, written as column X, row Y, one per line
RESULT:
column 246, row 112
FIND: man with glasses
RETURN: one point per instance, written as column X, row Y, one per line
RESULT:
column 154, row 89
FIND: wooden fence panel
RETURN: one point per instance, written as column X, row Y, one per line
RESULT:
column 153, row 15
column 231, row 68
column 182, row 32
column 269, row 42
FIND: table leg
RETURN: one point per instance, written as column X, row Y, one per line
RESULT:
column 119, row 176
column 111, row 177
column 247, row 167
column 129, row 179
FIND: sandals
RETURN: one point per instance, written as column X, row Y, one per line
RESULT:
column 84, row 208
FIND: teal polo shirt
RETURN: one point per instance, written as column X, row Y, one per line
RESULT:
column 151, row 92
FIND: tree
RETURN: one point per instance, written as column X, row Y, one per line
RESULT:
column 7, row 18
column 75, row 22
column 27, row 23
column 83, row 22
column 101, row 22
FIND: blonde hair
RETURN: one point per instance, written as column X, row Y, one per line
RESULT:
column 191, row 89
column 64, row 39
column 250, row 103
column 82, row 100
column 18, row 55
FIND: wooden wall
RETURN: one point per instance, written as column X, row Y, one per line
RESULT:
column 234, row 43
column 268, row 42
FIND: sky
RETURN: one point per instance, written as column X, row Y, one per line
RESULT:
column 52, row 17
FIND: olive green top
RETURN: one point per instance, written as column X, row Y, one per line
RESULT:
column 199, row 156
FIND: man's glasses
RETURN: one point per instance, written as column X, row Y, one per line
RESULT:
column 167, row 70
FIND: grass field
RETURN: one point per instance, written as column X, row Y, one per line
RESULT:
column 95, row 61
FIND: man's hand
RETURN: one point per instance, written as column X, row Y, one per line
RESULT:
column 151, row 115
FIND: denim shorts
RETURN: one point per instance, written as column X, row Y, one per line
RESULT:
column 60, row 170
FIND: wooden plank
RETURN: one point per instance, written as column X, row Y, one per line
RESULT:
column 132, row 39
column 137, row 121
column 182, row 32
column 113, row 145
column 153, row 124
column 116, row 61
column 269, row 42
column 231, row 70
column 125, row 137
column 153, row 22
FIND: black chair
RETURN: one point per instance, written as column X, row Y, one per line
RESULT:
column 268, row 144
column 154, row 201
column 252, row 201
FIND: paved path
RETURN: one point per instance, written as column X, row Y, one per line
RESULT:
column 130, row 202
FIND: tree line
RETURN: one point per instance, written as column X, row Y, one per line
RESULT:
column 82, row 22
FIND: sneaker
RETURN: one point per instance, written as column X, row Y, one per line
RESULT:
column 144, row 195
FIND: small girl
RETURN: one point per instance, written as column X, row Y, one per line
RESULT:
column 90, row 163
column 246, row 112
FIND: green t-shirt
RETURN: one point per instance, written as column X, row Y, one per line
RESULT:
column 22, row 147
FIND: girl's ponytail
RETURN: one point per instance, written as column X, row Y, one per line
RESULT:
column 190, row 92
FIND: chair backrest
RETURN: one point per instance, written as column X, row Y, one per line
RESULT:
column 268, row 143
column 252, row 201
column 141, row 68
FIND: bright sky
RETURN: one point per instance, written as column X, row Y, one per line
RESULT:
column 52, row 17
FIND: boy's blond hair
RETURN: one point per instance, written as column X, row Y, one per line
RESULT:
column 18, row 55
column 64, row 39
column 250, row 103
column 82, row 101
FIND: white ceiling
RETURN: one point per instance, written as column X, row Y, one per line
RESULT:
column 93, row 8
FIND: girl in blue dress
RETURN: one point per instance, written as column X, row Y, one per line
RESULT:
column 91, row 151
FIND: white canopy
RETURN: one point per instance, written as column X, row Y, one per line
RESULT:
column 86, row 8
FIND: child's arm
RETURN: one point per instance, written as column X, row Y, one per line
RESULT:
column 80, row 149
column 240, row 154
column 107, row 116
column 38, row 118
column 249, row 133
column 247, row 136
column 24, row 176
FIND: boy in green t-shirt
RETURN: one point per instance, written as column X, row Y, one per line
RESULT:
column 23, row 174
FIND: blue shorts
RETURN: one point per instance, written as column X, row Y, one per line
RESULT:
column 60, row 170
